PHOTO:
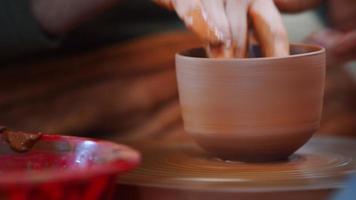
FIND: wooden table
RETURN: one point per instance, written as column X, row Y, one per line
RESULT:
column 127, row 90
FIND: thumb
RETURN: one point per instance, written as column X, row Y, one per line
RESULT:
column 293, row 6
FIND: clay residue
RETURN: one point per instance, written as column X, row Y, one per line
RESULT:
column 20, row 141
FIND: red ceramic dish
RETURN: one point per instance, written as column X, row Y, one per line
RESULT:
column 63, row 167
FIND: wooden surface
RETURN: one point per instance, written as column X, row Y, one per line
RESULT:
column 126, row 91
column 183, row 171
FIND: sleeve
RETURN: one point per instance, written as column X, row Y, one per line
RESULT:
column 19, row 32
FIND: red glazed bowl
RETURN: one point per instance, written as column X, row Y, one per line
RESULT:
column 63, row 167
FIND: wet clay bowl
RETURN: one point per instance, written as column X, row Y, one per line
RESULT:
column 63, row 168
column 255, row 109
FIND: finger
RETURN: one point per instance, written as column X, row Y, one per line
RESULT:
column 208, row 20
column 269, row 28
column 216, row 16
column 190, row 11
column 296, row 5
column 236, row 11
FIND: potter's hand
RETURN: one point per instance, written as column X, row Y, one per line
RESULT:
column 211, row 19
column 222, row 24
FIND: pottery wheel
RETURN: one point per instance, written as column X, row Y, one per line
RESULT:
column 323, row 163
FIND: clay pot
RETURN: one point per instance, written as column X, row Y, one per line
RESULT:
column 256, row 109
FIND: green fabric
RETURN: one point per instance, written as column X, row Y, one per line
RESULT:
column 19, row 33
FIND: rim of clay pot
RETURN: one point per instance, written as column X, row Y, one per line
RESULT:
column 310, row 48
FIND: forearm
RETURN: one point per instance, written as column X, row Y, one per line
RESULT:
column 60, row 16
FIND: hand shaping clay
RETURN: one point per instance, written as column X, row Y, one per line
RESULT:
column 223, row 25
